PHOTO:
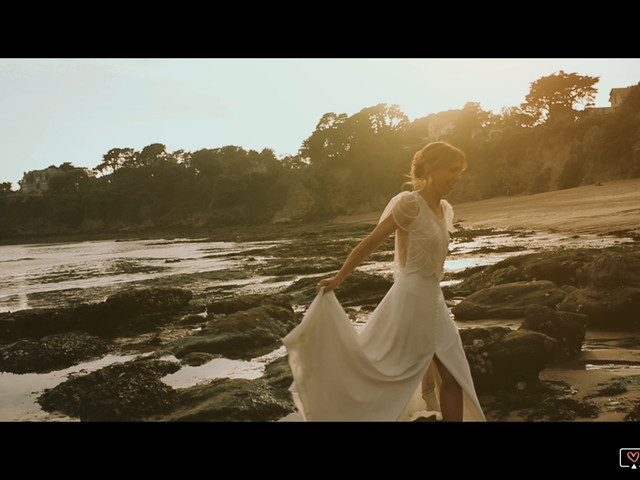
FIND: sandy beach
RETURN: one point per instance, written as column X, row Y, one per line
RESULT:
column 595, row 209
column 590, row 209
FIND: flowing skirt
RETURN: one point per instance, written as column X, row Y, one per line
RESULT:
column 377, row 374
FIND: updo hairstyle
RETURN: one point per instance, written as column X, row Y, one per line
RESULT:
column 434, row 155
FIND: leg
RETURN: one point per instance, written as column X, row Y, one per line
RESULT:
column 450, row 395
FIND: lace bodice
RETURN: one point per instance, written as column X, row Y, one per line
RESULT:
column 422, row 239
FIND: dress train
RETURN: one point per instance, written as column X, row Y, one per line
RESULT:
column 376, row 374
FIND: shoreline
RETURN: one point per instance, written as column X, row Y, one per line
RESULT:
column 611, row 208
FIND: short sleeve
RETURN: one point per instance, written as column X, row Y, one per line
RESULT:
column 448, row 215
column 404, row 208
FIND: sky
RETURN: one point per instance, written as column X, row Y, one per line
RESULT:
column 56, row 110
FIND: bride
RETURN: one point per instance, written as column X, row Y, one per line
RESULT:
column 408, row 359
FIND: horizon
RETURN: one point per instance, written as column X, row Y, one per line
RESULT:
column 76, row 110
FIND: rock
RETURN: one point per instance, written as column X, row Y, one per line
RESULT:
column 609, row 292
column 362, row 288
column 51, row 352
column 241, row 334
column 132, row 310
column 612, row 307
column 502, row 358
column 35, row 323
column 524, row 400
column 132, row 391
column 296, row 266
column 359, row 288
column 135, row 309
column 634, row 414
column 245, row 302
column 228, row 400
column 611, row 269
column 603, row 284
column 563, row 409
column 196, row 359
column 238, row 400
column 557, row 266
column 486, row 277
column 578, row 267
column 508, row 300
column 148, row 300
column 567, row 329
column 610, row 390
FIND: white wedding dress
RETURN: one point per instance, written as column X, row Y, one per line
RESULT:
column 377, row 374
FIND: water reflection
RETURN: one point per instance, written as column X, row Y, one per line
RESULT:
column 612, row 366
column 28, row 270
column 221, row 368
column 19, row 392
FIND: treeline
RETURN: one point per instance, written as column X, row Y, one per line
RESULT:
column 349, row 164
column 152, row 188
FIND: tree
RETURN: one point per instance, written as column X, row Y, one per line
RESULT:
column 632, row 101
column 517, row 117
column 115, row 158
column 67, row 178
column 151, row 155
column 340, row 137
column 555, row 96
column 327, row 141
column 206, row 163
column 383, row 119
column 471, row 121
column 294, row 162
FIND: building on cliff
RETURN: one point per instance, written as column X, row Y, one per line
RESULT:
column 616, row 97
column 36, row 182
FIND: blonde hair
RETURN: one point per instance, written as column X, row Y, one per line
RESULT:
column 433, row 155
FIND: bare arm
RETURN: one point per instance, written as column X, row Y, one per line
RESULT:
column 365, row 248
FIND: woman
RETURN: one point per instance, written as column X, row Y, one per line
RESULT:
column 408, row 357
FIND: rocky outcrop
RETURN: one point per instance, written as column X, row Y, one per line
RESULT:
column 503, row 357
column 558, row 295
column 120, row 392
column 606, row 307
column 42, row 340
column 509, row 300
column 239, row 327
column 548, row 291
column 237, row 400
column 129, row 310
column 610, row 290
column 557, row 266
column 254, row 326
column 359, row 288
column 500, row 357
column 567, row 329
column 603, row 284
column 52, row 352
